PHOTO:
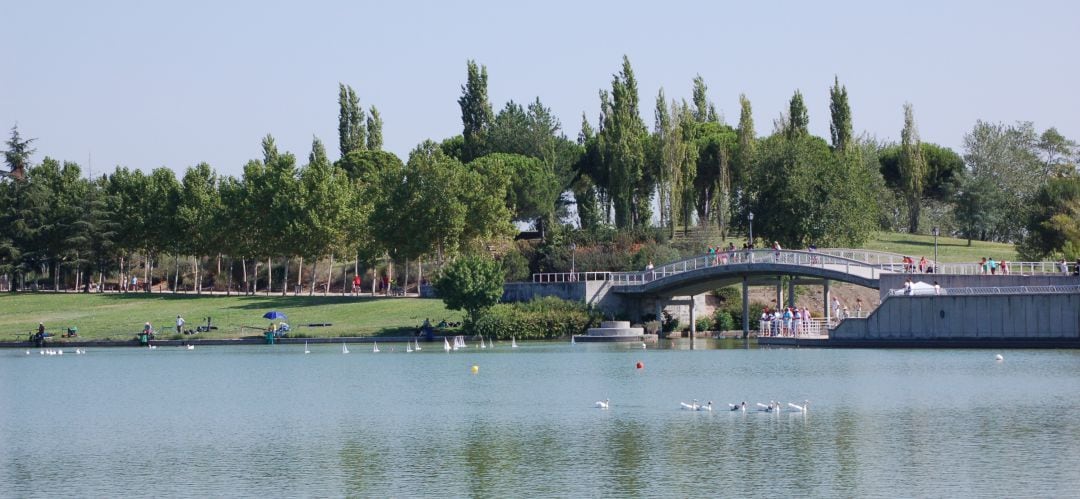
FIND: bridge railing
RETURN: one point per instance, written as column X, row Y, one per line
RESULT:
column 570, row 276
column 742, row 257
column 995, row 290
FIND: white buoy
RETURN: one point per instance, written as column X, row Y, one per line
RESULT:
column 999, row 358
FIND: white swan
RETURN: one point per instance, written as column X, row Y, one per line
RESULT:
column 603, row 404
column 738, row 407
column 706, row 407
column 28, row 352
column 191, row 347
column 693, row 406
column 643, row 347
column 772, row 407
column 800, row 408
column 999, row 357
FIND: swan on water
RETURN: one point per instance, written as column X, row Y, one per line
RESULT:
column 28, row 352
column 738, row 407
column 772, row 407
column 603, row 404
column 693, row 406
column 191, row 347
column 643, row 347
column 999, row 357
column 706, row 407
column 801, row 408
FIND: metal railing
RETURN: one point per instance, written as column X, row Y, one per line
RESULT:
column 781, row 328
column 995, row 290
column 570, row 276
column 877, row 262
column 743, row 257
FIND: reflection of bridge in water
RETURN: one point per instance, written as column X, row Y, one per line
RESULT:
column 677, row 283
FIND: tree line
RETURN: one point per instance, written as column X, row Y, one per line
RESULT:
column 465, row 193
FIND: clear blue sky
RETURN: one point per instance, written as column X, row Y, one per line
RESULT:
column 148, row 84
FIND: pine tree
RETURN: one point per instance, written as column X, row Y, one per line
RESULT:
column 17, row 155
column 798, row 119
column 912, row 167
column 840, row 128
column 374, row 130
column 476, row 113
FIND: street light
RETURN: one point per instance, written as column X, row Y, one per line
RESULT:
column 751, row 218
column 573, row 260
column 935, row 250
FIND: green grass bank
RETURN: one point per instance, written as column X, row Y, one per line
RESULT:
column 121, row 316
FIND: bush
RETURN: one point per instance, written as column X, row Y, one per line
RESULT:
column 652, row 327
column 730, row 297
column 544, row 318
column 703, row 324
column 724, row 321
column 671, row 323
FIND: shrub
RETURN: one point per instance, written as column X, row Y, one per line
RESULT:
column 730, row 297
column 671, row 323
column 652, row 327
column 724, row 321
column 703, row 324
column 543, row 318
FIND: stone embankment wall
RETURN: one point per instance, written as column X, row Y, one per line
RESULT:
column 965, row 317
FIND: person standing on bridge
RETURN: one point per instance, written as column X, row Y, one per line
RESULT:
column 649, row 274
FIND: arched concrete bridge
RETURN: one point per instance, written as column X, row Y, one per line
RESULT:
column 707, row 272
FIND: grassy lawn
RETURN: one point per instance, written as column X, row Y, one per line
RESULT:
column 121, row 316
column 949, row 249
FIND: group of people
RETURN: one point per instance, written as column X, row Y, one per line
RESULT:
column 1065, row 267
column 989, row 266
column 910, row 267
column 787, row 321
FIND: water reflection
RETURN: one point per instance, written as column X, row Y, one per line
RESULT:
column 274, row 422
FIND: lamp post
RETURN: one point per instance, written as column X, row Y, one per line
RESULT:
column 935, row 250
column 573, row 261
column 750, row 217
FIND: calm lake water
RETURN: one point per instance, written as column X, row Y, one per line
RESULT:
column 270, row 421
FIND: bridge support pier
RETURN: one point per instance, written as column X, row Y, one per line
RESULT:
column 828, row 298
column 791, row 293
column 693, row 321
column 745, row 307
column 779, row 292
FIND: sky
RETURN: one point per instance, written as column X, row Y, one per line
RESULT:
column 150, row 84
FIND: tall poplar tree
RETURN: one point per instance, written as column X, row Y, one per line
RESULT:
column 374, row 130
column 623, row 146
column 747, row 142
column 476, row 113
column 701, row 100
column 840, row 127
column 912, row 167
column 798, row 119
column 351, row 133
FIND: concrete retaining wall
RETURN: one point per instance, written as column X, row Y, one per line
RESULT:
column 1029, row 316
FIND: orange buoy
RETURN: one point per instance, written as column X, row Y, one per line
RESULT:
column 640, row 365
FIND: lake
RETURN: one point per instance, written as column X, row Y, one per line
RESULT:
column 271, row 421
